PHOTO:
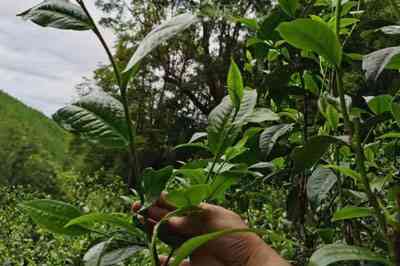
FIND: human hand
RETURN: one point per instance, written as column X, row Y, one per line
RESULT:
column 242, row 249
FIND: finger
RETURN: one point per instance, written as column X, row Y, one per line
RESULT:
column 164, row 259
column 136, row 206
column 163, row 203
column 156, row 213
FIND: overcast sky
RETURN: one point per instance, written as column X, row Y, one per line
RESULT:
column 41, row 66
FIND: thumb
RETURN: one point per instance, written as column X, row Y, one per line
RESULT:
column 163, row 261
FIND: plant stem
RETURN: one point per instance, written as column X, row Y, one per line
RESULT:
column 132, row 180
column 367, row 186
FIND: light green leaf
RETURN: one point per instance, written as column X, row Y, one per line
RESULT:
column 235, row 84
column 381, row 104
column 191, row 196
column 396, row 112
column 60, row 14
column 338, row 252
column 320, row 184
column 315, row 36
column 53, row 215
column 390, row 135
column 98, row 117
column 374, row 63
column 262, row 115
column 345, row 171
column 289, row 6
column 352, row 213
column 221, row 184
column 192, row 244
column 160, row 34
column 104, row 218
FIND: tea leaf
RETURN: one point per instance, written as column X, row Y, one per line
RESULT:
column 235, row 84
column 60, row 14
column 352, row 213
column 289, row 6
column 374, row 63
column 320, row 183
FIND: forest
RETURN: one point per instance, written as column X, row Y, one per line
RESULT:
column 286, row 112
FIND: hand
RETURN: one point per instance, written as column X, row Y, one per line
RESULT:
column 243, row 249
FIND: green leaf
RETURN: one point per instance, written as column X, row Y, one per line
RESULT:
column 219, row 122
column 247, row 106
column 315, row 36
column 60, row 14
column 352, row 213
column 160, row 34
column 194, row 243
column 332, row 116
column 289, row 6
column 374, row 63
column 338, row 252
column 98, row 117
column 193, row 146
column 270, row 136
column 197, row 136
column 235, row 84
column 320, row 184
column 396, row 112
column 104, row 218
column 310, row 83
column 345, row 171
column 53, row 215
column 390, row 135
column 308, row 155
column 191, row 196
column 261, row 115
column 155, row 181
column 381, row 104
column 220, row 185
column 391, row 30
column 99, row 256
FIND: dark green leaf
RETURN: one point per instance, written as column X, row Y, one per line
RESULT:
column 289, row 6
column 192, row 244
column 352, row 213
column 97, row 117
column 270, row 136
column 220, row 185
column 396, row 112
column 308, row 155
column 338, row 252
column 315, row 36
column 60, row 14
column 345, row 171
column 235, row 84
column 247, row 105
column 320, row 183
column 374, row 63
column 155, row 181
column 160, row 34
column 54, row 215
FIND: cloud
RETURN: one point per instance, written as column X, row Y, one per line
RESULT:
column 42, row 66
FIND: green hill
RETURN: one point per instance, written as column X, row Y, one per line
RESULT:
column 28, row 140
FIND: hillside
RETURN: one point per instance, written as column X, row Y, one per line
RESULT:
column 22, row 126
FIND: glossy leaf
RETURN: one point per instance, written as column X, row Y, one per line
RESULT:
column 345, row 171
column 374, row 63
column 60, row 14
column 380, row 104
column 262, row 115
column 53, row 215
column 391, row 30
column 160, row 34
column 197, row 136
column 194, row 243
column 98, row 117
column 330, row 254
column 314, row 36
column 308, row 155
column 98, row 256
column 191, row 196
column 289, row 6
column 235, row 84
column 320, row 184
column 352, row 213
column 247, row 105
column 270, row 136
column 103, row 218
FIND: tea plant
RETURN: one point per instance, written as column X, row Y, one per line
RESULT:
column 331, row 156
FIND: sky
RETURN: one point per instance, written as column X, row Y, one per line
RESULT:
column 41, row 66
